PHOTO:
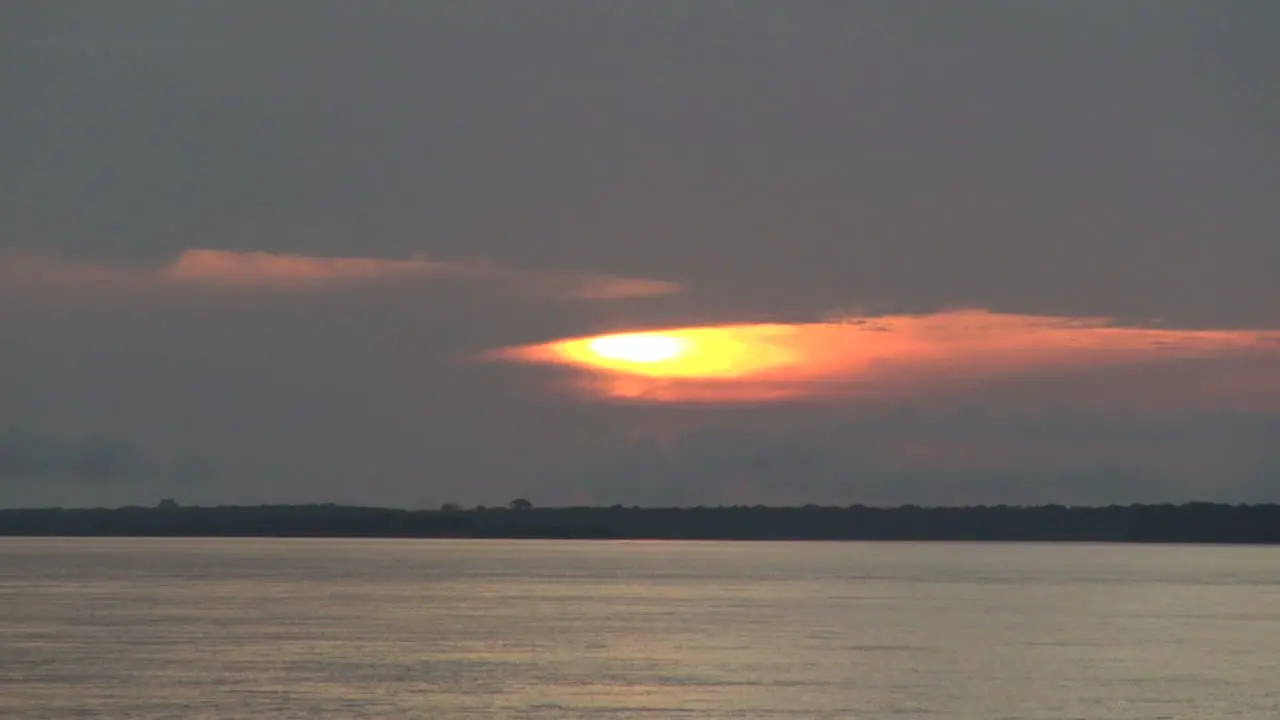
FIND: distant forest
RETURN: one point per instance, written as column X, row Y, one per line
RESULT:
column 1188, row 523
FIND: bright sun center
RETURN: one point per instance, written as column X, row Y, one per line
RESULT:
column 638, row 347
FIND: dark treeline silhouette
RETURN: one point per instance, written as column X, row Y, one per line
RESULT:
column 1190, row 523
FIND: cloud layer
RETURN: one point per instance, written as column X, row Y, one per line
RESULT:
column 886, row 356
column 288, row 272
column 28, row 456
column 934, row 454
column 780, row 162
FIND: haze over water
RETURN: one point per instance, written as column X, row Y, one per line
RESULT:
column 163, row 628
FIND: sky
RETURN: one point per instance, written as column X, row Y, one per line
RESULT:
column 639, row 252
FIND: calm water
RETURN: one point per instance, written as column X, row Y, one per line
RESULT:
column 482, row 629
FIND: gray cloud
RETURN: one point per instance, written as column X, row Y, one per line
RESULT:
column 1085, row 159
column 980, row 154
column 25, row 456
column 939, row 456
column 28, row 457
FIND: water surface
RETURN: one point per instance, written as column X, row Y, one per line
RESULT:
column 221, row 628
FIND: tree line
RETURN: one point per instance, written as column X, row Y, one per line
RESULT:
column 1198, row 522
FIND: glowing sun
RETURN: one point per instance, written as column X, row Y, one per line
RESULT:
column 637, row 347
column 867, row 356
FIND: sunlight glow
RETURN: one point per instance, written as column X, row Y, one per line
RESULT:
column 868, row 356
column 638, row 347
column 700, row 352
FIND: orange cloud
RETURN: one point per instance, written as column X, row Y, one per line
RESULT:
column 221, row 267
column 230, row 270
column 570, row 286
column 610, row 287
column 29, row 280
column 291, row 271
column 871, row 356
